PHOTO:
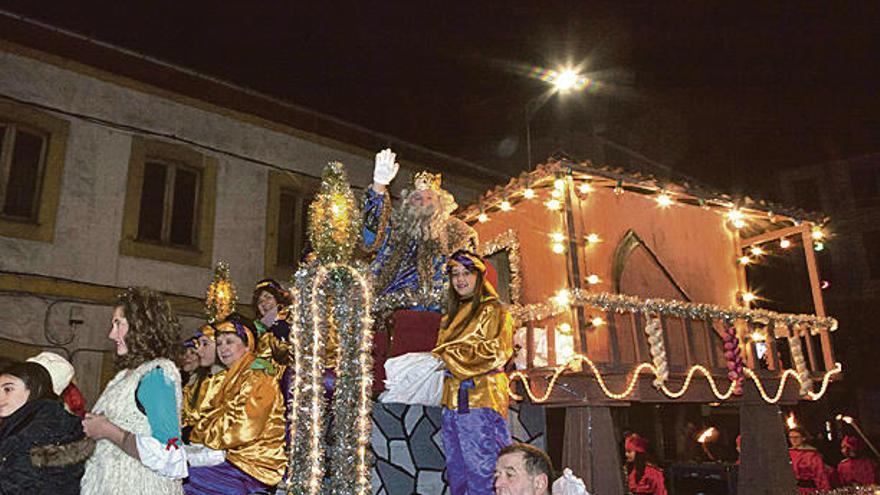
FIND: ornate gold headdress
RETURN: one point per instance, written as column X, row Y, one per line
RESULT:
column 424, row 181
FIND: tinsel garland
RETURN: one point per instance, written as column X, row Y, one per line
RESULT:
column 850, row 490
column 308, row 405
column 622, row 303
column 733, row 356
column 657, row 347
column 349, row 457
column 507, row 241
column 800, row 363
column 220, row 297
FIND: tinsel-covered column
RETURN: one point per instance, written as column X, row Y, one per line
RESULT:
column 733, row 355
column 797, row 357
column 331, row 302
column 654, row 330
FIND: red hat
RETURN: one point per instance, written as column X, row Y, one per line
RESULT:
column 636, row 443
column 853, row 443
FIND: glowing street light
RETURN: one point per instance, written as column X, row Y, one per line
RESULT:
column 564, row 80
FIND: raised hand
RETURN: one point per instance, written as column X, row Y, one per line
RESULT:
column 385, row 168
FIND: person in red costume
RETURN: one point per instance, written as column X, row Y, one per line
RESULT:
column 855, row 469
column 810, row 470
column 643, row 477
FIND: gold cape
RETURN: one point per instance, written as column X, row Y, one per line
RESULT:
column 477, row 351
column 246, row 419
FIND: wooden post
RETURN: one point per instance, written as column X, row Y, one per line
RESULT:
column 818, row 302
column 765, row 467
column 590, row 448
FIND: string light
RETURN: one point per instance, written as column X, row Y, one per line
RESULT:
column 633, row 378
column 557, row 245
column 505, row 205
column 757, row 251
column 784, row 243
column 483, row 218
column 664, row 200
column 529, row 193
column 585, row 188
column 559, row 184
column 562, row 298
column 597, row 321
column 553, row 204
column 593, row 238
column 744, row 260
column 556, row 193
column 736, row 218
column 817, row 234
column 748, row 297
column 593, row 279
column 757, row 336
column 564, row 328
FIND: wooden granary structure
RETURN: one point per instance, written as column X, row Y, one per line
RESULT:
column 628, row 290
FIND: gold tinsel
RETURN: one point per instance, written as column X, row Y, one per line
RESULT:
column 220, row 299
column 334, row 220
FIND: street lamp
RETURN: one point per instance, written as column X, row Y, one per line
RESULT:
column 561, row 81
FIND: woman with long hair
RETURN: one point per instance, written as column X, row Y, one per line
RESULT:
column 244, row 418
column 475, row 341
column 642, row 476
column 136, row 420
column 33, row 428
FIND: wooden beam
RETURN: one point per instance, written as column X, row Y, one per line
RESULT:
column 590, row 448
column 818, row 301
column 771, row 236
column 765, row 468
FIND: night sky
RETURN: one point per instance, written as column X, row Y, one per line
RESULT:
column 722, row 93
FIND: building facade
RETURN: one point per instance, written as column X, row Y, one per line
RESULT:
column 108, row 182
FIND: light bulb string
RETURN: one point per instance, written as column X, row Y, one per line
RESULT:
column 634, row 375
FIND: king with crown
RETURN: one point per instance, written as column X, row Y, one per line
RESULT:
column 409, row 246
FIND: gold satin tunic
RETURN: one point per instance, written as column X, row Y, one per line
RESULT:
column 246, row 419
column 205, row 391
column 477, row 350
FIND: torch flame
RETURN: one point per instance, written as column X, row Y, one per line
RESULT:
column 790, row 422
column 707, row 434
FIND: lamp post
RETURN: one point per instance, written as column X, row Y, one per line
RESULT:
column 562, row 81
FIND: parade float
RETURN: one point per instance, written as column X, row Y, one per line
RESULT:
column 626, row 292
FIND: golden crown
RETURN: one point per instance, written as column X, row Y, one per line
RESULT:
column 424, row 181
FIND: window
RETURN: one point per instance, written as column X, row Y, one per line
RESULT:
column 287, row 221
column 871, row 242
column 168, row 204
column 169, row 207
column 32, row 147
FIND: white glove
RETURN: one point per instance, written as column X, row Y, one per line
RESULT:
column 569, row 484
column 386, row 167
column 198, row 455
